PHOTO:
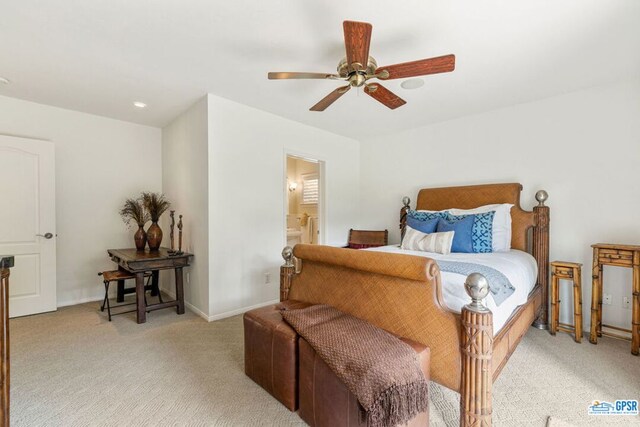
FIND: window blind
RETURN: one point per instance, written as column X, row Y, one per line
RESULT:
column 310, row 189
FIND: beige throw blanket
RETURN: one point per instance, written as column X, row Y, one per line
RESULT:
column 380, row 370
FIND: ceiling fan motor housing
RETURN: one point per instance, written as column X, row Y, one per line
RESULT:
column 357, row 75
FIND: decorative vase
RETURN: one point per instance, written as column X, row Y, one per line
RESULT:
column 154, row 236
column 140, row 238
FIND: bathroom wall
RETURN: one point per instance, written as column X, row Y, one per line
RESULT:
column 292, row 198
column 296, row 169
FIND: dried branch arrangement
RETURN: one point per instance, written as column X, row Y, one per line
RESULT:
column 155, row 204
column 133, row 210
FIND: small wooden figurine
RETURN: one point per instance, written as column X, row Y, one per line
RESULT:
column 172, row 225
column 180, row 235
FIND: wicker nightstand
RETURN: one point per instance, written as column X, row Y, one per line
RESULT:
column 567, row 271
column 621, row 256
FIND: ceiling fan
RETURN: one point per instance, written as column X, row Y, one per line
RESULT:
column 352, row 69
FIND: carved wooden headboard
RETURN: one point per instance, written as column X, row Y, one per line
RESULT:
column 522, row 222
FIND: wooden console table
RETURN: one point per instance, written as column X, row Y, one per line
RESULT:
column 141, row 262
column 620, row 256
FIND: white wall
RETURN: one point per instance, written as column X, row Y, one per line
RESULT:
column 247, row 197
column 99, row 163
column 582, row 147
column 185, row 183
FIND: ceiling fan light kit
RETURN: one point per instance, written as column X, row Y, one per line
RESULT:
column 352, row 69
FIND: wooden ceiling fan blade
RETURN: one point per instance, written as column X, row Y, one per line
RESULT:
column 357, row 37
column 296, row 75
column 384, row 95
column 330, row 99
column 422, row 67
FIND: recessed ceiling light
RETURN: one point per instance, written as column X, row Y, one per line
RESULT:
column 412, row 84
column 4, row 81
column 140, row 104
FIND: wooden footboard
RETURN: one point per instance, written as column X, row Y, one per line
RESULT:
column 399, row 293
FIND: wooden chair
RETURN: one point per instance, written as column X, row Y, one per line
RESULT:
column 361, row 239
column 120, row 276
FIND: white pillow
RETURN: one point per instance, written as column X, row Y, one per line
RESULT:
column 439, row 243
column 501, row 234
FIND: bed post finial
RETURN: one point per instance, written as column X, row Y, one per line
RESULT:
column 541, row 254
column 287, row 255
column 406, row 201
column 477, row 288
column 476, row 351
column 286, row 272
column 541, row 197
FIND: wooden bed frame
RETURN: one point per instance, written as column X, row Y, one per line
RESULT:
column 403, row 294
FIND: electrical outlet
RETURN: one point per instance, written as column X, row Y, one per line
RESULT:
column 188, row 278
column 267, row 278
column 606, row 299
column 626, row 302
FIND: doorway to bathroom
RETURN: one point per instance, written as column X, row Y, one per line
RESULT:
column 304, row 192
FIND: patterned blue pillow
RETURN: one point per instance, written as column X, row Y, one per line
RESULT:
column 481, row 232
column 426, row 216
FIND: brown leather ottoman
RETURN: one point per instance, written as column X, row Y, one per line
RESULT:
column 271, row 352
column 326, row 402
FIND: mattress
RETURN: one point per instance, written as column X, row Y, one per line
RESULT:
column 519, row 267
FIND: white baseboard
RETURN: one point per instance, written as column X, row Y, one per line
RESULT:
column 78, row 301
column 240, row 310
column 191, row 307
column 220, row 316
column 187, row 305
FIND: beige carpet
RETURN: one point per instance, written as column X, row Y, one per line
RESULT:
column 73, row 368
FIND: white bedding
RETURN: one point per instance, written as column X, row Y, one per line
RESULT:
column 519, row 267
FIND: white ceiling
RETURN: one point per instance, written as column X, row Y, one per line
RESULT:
column 100, row 56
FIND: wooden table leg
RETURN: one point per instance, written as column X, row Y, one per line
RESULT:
column 593, row 336
column 155, row 281
column 553, row 324
column 5, row 368
column 140, row 303
column 600, row 296
column 120, row 293
column 635, row 316
column 179, row 290
column 577, row 303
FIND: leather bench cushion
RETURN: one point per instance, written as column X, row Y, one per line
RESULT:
column 325, row 401
column 271, row 352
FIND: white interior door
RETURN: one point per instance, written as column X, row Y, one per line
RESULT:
column 27, row 223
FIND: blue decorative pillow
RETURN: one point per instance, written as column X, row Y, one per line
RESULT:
column 462, row 241
column 424, row 216
column 427, row 226
column 481, row 232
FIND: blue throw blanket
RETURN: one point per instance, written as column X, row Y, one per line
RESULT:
column 501, row 288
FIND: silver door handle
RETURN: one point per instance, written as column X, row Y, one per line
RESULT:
column 45, row 235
